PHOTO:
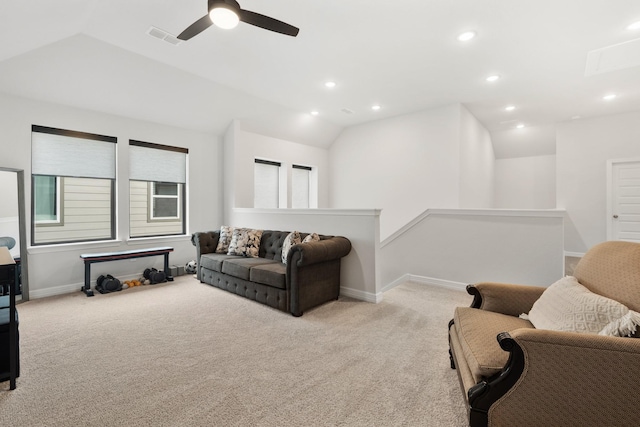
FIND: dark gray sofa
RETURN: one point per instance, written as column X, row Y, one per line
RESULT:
column 311, row 276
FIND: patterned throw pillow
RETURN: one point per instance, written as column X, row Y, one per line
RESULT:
column 568, row 306
column 292, row 238
column 313, row 237
column 225, row 239
column 245, row 242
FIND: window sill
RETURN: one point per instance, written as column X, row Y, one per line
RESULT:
column 146, row 240
column 67, row 247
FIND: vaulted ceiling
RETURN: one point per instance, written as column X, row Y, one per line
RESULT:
column 402, row 55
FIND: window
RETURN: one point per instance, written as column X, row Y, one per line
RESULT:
column 266, row 184
column 73, row 186
column 157, row 187
column 47, row 195
column 300, row 186
column 165, row 200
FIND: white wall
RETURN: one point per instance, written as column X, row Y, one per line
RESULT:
column 525, row 183
column 402, row 165
column 244, row 147
column 440, row 158
column 456, row 247
column 476, row 163
column 58, row 269
column 359, row 274
column 583, row 148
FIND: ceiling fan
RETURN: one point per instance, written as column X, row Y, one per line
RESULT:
column 227, row 13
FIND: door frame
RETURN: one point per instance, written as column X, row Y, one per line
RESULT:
column 610, row 165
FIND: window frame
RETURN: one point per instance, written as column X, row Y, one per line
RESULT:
column 151, row 185
column 60, row 181
column 278, row 165
column 309, row 169
column 181, row 193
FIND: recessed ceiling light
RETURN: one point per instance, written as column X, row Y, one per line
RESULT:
column 466, row 36
column 509, row 108
column 330, row 84
column 375, row 107
column 609, row 97
column 493, row 78
column 520, row 126
column 314, row 113
column 634, row 26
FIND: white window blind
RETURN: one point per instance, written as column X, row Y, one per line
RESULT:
column 300, row 187
column 266, row 184
column 157, row 163
column 73, row 156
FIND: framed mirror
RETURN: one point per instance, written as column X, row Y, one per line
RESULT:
column 13, row 227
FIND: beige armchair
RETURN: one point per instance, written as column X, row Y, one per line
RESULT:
column 513, row 374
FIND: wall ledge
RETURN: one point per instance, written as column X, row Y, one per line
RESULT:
column 536, row 213
column 329, row 212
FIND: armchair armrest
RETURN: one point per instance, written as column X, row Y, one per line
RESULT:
column 574, row 379
column 323, row 250
column 504, row 298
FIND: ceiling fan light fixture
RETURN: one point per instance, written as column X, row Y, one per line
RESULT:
column 224, row 17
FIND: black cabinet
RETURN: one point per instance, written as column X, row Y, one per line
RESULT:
column 9, row 348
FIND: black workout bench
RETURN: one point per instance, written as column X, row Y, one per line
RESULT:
column 115, row 256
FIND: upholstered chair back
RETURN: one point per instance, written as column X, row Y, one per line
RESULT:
column 612, row 269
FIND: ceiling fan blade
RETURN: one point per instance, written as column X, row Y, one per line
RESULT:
column 196, row 28
column 268, row 23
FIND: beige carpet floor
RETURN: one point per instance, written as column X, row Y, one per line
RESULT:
column 187, row 354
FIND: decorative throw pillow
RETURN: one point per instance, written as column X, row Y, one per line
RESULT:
column 225, row 238
column 568, row 306
column 245, row 242
column 292, row 238
column 313, row 237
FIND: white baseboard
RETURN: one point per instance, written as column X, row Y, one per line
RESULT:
column 57, row 290
column 69, row 289
column 361, row 295
column 459, row 286
column 574, row 254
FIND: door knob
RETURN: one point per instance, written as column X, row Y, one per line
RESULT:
column 615, row 216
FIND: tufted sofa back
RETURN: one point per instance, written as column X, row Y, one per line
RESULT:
column 272, row 241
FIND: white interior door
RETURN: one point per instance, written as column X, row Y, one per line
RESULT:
column 624, row 197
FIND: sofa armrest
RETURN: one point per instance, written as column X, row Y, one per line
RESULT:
column 574, row 379
column 313, row 272
column 205, row 242
column 319, row 251
column 504, row 298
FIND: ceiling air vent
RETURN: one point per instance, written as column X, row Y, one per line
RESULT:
column 612, row 58
column 347, row 111
column 163, row 35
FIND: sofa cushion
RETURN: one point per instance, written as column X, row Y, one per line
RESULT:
column 225, row 239
column 273, row 274
column 240, row 267
column 292, row 238
column 214, row 261
column 477, row 331
column 566, row 305
column 245, row 242
column 313, row 237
